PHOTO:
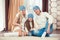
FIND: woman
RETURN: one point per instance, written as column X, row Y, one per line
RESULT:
column 19, row 20
column 30, row 24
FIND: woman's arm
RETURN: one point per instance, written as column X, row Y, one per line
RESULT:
column 16, row 19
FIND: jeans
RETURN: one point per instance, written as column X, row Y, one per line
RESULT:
column 39, row 32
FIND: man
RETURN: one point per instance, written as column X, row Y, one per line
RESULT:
column 20, row 20
column 44, row 22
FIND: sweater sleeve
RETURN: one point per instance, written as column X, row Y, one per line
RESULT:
column 50, row 18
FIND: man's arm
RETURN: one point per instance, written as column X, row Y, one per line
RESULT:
column 50, row 21
column 48, row 29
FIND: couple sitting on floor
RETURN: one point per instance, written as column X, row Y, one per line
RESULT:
column 41, row 25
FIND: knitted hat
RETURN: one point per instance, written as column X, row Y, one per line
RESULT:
column 22, row 8
column 36, row 7
column 30, row 15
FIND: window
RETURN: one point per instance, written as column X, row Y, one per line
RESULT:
column 29, row 4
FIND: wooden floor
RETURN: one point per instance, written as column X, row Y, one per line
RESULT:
column 28, row 38
column 56, row 33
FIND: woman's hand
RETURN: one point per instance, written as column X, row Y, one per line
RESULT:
column 32, row 29
column 20, row 26
column 24, row 33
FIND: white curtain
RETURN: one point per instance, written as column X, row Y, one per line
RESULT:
column 2, row 15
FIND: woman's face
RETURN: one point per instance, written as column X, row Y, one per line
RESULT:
column 23, row 12
column 30, row 19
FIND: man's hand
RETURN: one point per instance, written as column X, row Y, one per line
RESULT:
column 48, row 30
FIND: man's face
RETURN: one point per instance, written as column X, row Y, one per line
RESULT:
column 37, row 11
column 30, row 19
column 23, row 12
